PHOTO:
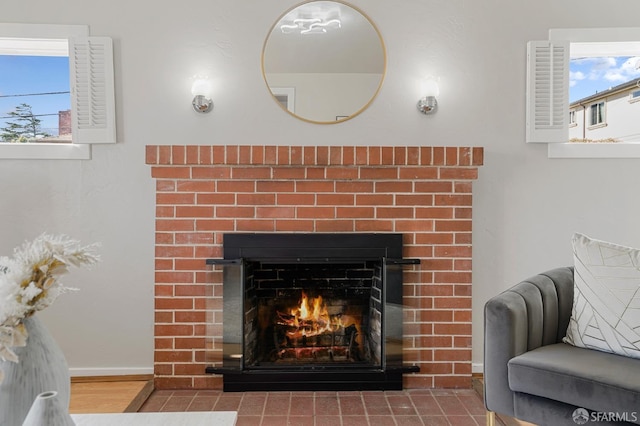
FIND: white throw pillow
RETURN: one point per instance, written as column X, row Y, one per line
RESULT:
column 606, row 302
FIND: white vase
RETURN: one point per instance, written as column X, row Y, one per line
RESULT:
column 42, row 367
column 48, row 410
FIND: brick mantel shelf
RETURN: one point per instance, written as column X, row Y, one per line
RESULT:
column 204, row 191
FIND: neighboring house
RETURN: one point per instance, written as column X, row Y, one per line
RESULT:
column 64, row 123
column 610, row 115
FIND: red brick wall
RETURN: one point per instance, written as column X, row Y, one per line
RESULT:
column 424, row 193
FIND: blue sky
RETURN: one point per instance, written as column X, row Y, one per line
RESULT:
column 590, row 75
column 35, row 74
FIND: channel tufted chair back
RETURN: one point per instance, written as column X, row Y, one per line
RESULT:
column 547, row 299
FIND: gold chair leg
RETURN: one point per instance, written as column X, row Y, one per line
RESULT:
column 491, row 418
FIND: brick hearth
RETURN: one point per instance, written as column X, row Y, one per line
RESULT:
column 425, row 193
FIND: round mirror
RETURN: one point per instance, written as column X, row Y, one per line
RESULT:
column 324, row 61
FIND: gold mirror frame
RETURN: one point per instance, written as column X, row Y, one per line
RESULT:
column 282, row 93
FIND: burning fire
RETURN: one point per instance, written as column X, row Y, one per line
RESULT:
column 310, row 318
column 307, row 332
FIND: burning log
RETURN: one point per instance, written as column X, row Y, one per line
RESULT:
column 308, row 333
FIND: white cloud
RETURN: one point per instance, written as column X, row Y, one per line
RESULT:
column 628, row 70
column 615, row 76
column 577, row 75
column 631, row 66
column 608, row 69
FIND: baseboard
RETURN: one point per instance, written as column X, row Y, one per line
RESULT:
column 120, row 378
column 107, row 372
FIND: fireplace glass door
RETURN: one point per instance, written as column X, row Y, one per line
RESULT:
column 304, row 310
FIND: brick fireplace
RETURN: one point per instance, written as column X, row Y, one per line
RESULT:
column 203, row 192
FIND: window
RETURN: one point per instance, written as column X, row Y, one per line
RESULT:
column 596, row 116
column 634, row 96
column 550, row 119
column 90, row 83
column 35, row 100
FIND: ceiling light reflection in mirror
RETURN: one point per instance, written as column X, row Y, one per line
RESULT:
column 324, row 61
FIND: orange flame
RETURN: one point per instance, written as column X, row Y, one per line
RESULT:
column 309, row 325
column 312, row 318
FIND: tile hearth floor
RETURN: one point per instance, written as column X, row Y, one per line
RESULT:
column 419, row 407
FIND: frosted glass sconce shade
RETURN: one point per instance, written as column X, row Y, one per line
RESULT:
column 201, row 91
column 430, row 90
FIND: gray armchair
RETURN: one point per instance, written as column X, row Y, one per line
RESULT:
column 531, row 375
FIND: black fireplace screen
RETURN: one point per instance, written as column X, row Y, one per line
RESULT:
column 312, row 311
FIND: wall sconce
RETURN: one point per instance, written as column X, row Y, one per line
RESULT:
column 201, row 91
column 430, row 89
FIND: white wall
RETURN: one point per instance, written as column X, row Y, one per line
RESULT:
column 526, row 206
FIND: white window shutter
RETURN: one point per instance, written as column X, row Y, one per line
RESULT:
column 547, row 91
column 93, row 109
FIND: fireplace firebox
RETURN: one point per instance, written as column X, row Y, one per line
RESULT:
column 312, row 311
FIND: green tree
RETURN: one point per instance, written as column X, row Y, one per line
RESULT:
column 23, row 126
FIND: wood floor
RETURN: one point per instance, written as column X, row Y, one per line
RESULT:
column 108, row 396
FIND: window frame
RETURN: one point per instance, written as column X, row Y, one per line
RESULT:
column 598, row 111
column 76, row 35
